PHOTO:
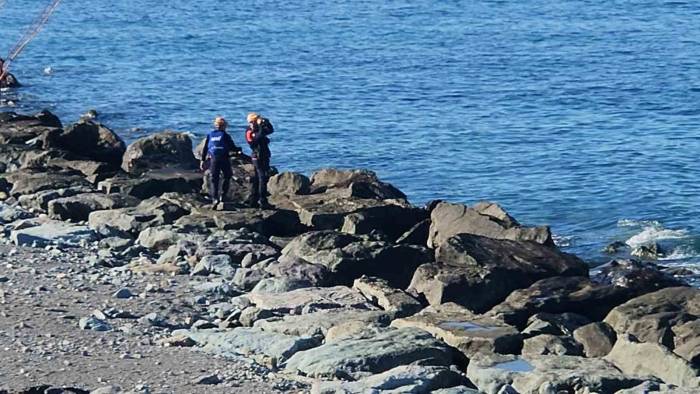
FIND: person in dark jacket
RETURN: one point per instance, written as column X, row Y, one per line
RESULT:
column 215, row 156
column 256, row 136
column 8, row 80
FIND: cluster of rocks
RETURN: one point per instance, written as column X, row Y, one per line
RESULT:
column 345, row 284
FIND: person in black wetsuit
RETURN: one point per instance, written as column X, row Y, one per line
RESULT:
column 256, row 136
column 215, row 156
column 9, row 80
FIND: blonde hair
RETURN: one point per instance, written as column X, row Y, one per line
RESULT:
column 220, row 122
column 252, row 116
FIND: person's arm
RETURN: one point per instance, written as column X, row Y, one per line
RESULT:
column 205, row 151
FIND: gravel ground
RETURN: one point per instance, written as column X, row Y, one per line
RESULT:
column 45, row 293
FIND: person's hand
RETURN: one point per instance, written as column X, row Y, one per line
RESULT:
column 202, row 166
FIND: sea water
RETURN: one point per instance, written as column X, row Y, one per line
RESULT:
column 583, row 115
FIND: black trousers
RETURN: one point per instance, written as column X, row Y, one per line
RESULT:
column 219, row 167
column 262, row 169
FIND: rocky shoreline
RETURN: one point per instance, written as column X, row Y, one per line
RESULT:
column 113, row 260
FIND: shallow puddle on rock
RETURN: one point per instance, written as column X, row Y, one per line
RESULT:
column 464, row 326
column 518, row 365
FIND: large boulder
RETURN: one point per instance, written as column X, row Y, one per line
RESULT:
column 87, row 139
column 154, row 183
column 30, row 181
column 165, row 149
column 402, row 379
column 19, row 129
column 597, row 339
column 308, row 300
column 352, row 358
column 334, row 210
column 318, row 323
column 479, row 272
column 78, row 207
column 288, row 183
column 298, row 270
column 356, row 183
column 652, row 359
column 662, row 317
column 546, row 374
column 386, row 297
column 279, row 222
column 458, row 327
column 391, row 220
column 39, row 201
column 269, row 346
column 53, row 233
column 349, row 257
column 152, row 212
column 484, row 219
column 592, row 298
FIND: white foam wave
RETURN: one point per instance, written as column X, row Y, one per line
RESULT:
column 638, row 223
column 685, row 252
column 655, row 233
column 563, row 241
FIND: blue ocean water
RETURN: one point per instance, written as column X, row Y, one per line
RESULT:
column 583, row 115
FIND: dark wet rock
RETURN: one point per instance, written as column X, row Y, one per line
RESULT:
column 348, row 257
column 161, row 150
column 615, row 247
column 329, row 210
column 247, row 278
column 213, row 379
column 391, row 219
column 30, row 181
column 300, row 271
column 592, row 298
column 133, row 220
column 235, row 249
column 551, row 344
column 358, row 183
column 648, row 252
column 154, row 183
column 19, row 129
column 554, row 324
column 634, row 274
column 479, row 272
column 416, row 235
column 318, row 323
column 87, row 139
column 53, row 233
column 288, row 183
column 402, row 379
column 393, row 300
column 652, row 359
column 546, row 374
column 484, row 219
column 651, row 317
column 596, row 338
column 458, row 327
column 268, row 222
column 273, row 346
column 78, row 207
column 354, row 358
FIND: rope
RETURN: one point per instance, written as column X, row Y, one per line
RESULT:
column 29, row 35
